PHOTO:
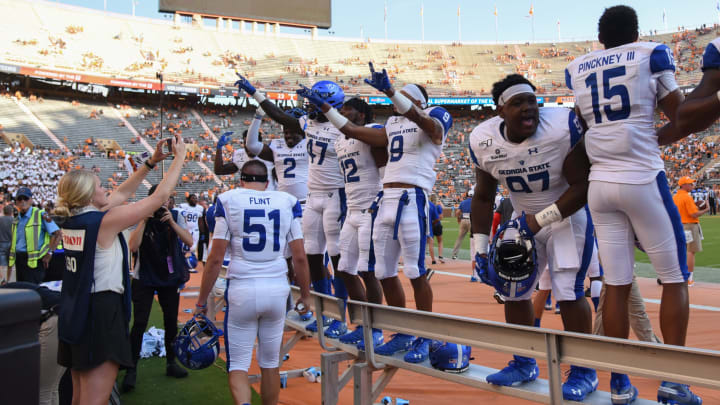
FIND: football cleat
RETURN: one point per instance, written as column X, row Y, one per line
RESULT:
column 353, row 337
column 518, row 371
column 312, row 326
column 581, row 381
column 398, row 342
column 621, row 391
column 377, row 336
column 677, row 394
column 419, row 351
column 336, row 329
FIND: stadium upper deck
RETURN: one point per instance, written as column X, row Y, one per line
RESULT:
column 47, row 35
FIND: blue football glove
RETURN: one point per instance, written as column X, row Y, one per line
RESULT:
column 378, row 80
column 224, row 139
column 481, row 268
column 244, row 84
column 311, row 96
column 523, row 227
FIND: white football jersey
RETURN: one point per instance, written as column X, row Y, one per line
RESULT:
column 531, row 170
column 192, row 215
column 711, row 57
column 239, row 158
column 291, row 165
column 324, row 172
column 616, row 92
column 362, row 177
column 412, row 154
column 258, row 225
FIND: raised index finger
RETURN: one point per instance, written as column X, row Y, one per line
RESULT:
column 372, row 69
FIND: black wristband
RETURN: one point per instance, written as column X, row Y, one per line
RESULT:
column 149, row 166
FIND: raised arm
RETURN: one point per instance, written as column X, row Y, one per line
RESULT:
column 220, row 167
column 253, row 145
column 122, row 217
column 701, row 108
column 433, row 126
column 129, row 186
column 268, row 106
column 375, row 137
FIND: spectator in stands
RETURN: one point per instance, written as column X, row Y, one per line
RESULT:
column 34, row 236
column 160, row 269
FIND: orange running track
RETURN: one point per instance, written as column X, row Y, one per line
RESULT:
column 457, row 296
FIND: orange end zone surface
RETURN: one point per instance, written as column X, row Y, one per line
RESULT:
column 457, row 296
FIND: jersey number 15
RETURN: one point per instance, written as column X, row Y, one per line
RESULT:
column 608, row 93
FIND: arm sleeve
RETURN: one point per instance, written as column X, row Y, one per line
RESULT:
column 576, row 129
column 444, row 117
column 254, row 145
column 221, row 229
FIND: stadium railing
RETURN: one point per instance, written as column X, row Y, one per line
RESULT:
column 698, row 367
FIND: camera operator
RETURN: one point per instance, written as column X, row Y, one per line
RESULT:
column 160, row 267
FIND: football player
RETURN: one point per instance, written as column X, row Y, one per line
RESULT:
column 255, row 225
column 326, row 203
column 192, row 212
column 538, row 155
column 616, row 92
column 240, row 155
column 414, row 138
column 361, row 165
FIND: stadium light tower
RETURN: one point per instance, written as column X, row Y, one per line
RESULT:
column 134, row 3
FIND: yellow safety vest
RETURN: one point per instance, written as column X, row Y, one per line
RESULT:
column 35, row 250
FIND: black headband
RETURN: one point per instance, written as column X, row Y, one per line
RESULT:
column 260, row 178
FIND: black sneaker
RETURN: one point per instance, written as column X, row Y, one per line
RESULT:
column 173, row 370
column 128, row 383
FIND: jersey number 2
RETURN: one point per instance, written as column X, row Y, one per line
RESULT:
column 250, row 228
column 608, row 93
column 290, row 166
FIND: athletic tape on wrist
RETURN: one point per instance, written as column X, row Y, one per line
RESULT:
column 336, row 118
column 259, row 97
column 548, row 216
column 481, row 242
column 401, row 103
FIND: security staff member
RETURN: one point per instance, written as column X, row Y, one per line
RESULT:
column 34, row 236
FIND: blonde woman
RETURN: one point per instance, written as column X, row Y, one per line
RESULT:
column 95, row 297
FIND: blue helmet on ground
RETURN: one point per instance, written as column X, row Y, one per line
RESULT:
column 512, row 261
column 191, row 261
column 330, row 92
column 450, row 357
column 198, row 343
column 296, row 112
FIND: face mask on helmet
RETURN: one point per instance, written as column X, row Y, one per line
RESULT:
column 197, row 345
column 513, row 261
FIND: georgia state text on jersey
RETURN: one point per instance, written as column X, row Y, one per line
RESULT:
column 530, row 170
column 362, row 177
column 412, row 153
column 258, row 225
column 711, row 57
column 239, row 158
column 324, row 173
column 616, row 90
column 291, row 165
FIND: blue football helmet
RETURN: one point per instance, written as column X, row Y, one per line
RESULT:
column 198, row 343
column 191, row 261
column 330, row 92
column 296, row 112
column 450, row 357
column 512, row 261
